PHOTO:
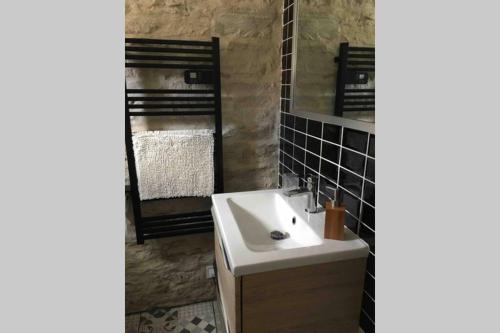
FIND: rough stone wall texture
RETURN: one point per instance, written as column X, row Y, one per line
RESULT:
column 168, row 271
column 250, row 41
column 171, row 271
column 322, row 26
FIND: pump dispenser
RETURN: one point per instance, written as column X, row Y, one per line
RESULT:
column 334, row 216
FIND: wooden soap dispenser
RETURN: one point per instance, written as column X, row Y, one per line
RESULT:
column 334, row 216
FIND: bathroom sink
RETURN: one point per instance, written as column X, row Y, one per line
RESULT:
column 245, row 221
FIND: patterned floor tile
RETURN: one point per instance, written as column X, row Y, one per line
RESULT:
column 196, row 318
column 132, row 323
column 160, row 320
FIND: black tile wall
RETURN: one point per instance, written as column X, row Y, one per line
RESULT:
column 353, row 161
column 332, row 133
column 313, row 145
column 342, row 158
column 330, row 152
column 314, row 128
column 356, row 140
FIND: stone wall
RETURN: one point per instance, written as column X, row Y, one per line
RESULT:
column 322, row 26
column 171, row 271
column 250, row 39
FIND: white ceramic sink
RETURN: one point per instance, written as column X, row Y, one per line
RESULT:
column 246, row 219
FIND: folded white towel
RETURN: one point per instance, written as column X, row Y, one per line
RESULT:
column 174, row 163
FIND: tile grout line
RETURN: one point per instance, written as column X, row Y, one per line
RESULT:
column 331, row 142
column 319, row 166
column 326, row 177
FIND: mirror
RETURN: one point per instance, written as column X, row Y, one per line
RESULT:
column 333, row 70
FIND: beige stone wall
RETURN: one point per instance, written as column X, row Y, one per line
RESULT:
column 250, row 39
column 322, row 26
column 171, row 271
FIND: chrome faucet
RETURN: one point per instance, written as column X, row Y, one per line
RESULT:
column 311, row 189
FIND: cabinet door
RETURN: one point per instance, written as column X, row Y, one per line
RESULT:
column 229, row 288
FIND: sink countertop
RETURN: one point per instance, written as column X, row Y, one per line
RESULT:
column 243, row 260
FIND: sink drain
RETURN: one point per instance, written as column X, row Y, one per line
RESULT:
column 278, row 235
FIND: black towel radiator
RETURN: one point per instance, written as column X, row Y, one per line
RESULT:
column 203, row 58
column 355, row 64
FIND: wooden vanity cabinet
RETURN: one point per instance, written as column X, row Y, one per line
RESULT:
column 317, row 298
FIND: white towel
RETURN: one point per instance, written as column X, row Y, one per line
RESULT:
column 174, row 163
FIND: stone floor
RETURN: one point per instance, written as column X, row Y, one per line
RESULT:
column 194, row 318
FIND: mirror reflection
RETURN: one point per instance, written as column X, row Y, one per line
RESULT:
column 334, row 59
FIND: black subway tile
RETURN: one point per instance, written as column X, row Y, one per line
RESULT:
column 290, row 120
column 298, row 168
column 368, row 236
column 369, row 193
column 331, row 133
column 288, row 162
column 329, row 170
column 371, row 146
column 310, row 171
column 312, row 162
column 370, row 285
column 355, row 140
column 368, row 216
column 368, row 306
column 289, row 46
column 351, row 202
column 351, row 222
column 298, row 153
column 288, row 148
column 287, row 105
column 314, row 128
column 370, row 264
column 351, row 182
column 300, row 139
column 290, row 14
column 353, row 161
column 330, row 152
column 289, row 134
column 366, row 324
column 370, row 169
column 313, row 145
column 300, row 124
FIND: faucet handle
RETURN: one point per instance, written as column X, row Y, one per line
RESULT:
column 311, row 182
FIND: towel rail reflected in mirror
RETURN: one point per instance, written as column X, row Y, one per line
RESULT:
column 329, row 68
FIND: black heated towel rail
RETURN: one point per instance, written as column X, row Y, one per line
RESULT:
column 173, row 54
column 355, row 64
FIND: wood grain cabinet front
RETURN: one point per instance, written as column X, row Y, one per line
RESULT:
column 316, row 298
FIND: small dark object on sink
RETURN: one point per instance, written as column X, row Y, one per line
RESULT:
column 278, row 235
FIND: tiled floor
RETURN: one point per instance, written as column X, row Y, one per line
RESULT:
column 194, row 318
